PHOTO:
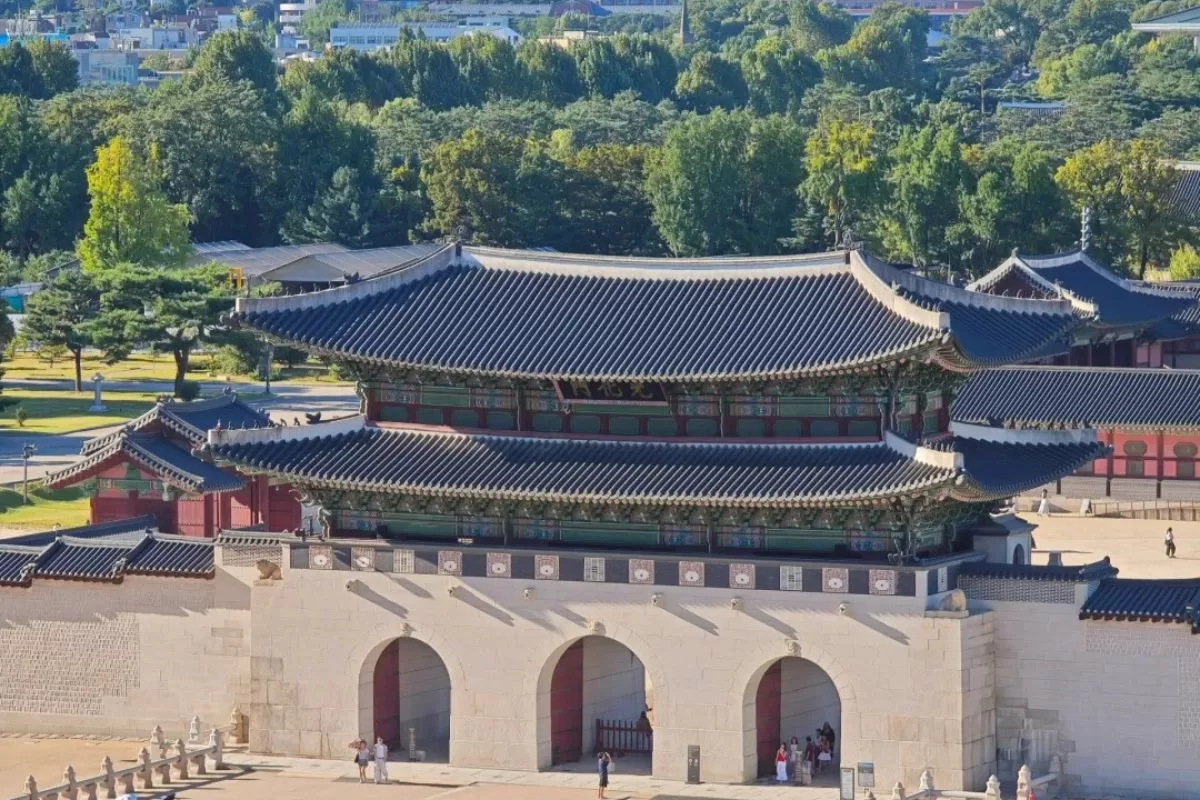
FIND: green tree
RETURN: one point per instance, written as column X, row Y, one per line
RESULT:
column 26, row 210
column 57, row 70
column 130, row 219
column 844, row 175
column 816, row 26
column 605, row 208
column 343, row 212
column 777, row 75
column 927, row 176
column 886, row 49
column 550, row 72
column 1128, row 188
column 711, row 82
column 1185, row 264
column 215, row 151
column 625, row 119
column 726, row 182
column 425, row 70
column 488, row 67
column 315, row 24
column 58, row 316
column 18, row 73
column 232, row 56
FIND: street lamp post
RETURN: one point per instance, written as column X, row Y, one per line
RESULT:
column 27, row 451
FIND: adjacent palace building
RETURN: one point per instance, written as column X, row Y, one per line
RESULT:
column 729, row 491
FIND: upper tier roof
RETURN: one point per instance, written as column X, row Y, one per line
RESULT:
column 1114, row 301
column 1080, row 397
column 520, row 314
column 190, row 420
column 352, row 454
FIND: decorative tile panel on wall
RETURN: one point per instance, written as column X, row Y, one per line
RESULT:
column 691, row 573
column 402, row 561
column 1017, row 591
column 248, row 555
column 641, row 570
column 593, row 570
column 499, row 565
column 835, row 579
column 449, row 562
column 882, row 581
column 362, row 559
column 320, row 556
column 546, row 568
column 741, row 576
column 791, row 579
column 1137, row 639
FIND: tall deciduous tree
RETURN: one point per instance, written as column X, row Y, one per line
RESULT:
column 927, row 177
column 233, row 56
column 57, row 70
column 726, row 182
column 844, row 175
column 58, row 316
column 130, row 219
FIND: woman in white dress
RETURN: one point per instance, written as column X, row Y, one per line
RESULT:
column 781, row 762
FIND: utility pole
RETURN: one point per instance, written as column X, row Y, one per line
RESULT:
column 27, row 451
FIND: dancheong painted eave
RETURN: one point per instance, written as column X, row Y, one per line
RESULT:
column 358, row 456
column 534, row 315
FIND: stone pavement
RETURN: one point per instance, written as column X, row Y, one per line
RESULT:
column 1134, row 545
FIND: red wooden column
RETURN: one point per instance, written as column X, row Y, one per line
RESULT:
column 262, row 499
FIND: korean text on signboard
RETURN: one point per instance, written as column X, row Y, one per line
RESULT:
column 631, row 392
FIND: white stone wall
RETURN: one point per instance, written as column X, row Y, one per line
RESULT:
column 1119, row 701
column 118, row 659
column 614, row 684
column 808, row 699
column 901, row 677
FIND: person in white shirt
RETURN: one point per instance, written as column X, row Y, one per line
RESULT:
column 1170, row 540
column 381, row 754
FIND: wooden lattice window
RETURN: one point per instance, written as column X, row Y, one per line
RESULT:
column 1135, row 466
column 1185, row 460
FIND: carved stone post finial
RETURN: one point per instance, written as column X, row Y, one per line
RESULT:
column 70, row 792
column 110, row 780
column 993, row 788
column 235, row 726
column 927, row 781
column 194, row 730
column 181, row 761
column 146, row 773
column 158, row 740
column 898, row 791
column 218, row 748
column 31, row 787
column 1023, row 777
column 870, row 795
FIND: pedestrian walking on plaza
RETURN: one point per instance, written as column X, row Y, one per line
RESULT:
column 362, row 757
column 603, row 764
column 1044, row 506
column 381, row 755
column 1170, row 540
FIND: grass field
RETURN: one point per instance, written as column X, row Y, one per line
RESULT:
column 53, row 411
column 142, row 367
column 66, row 507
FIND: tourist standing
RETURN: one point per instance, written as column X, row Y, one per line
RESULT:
column 1044, row 506
column 362, row 757
column 603, row 763
column 794, row 758
column 781, row 761
column 381, row 756
column 1170, row 541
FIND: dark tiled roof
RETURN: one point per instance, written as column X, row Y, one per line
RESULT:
column 191, row 420
column 1118, row 302
column 522, row 314
column 103, row 530
column 1042, row 572
column 71, row 558
column 16, row 564
column 155, row 452
column 559, row 469
column 1080, row 397
column 1185, row 323
column 1000, row 469
column 1186, row 197
column 1146, row 600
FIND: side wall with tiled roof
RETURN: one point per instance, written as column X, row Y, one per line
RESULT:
column 126, row 657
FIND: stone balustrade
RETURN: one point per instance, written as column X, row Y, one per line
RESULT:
column 1027, row 787
column 174, row 758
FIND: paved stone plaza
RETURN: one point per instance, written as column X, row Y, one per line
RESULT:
column 1134, row 545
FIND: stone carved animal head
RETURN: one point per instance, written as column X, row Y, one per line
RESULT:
column 268, row 570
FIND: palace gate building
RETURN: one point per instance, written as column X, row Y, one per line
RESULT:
column 728, row 490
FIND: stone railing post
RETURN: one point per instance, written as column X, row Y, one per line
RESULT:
column 31, row 788
column 157, row 740
column 993, row 788
column 218, row 748
column 1056, row 769
column 110, row 781
column 69, row 792
column 926, row 787
column 198, row 764
column 146, row 773
column 236, row 723
column 89, row 790
column 194, row 730
column 127, row 783
column 898, row 791
column 181, row 762
column 1023, row 776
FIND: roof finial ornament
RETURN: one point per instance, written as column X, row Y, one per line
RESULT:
column 1016, row 252
column 1085, row 233
column 685, row 30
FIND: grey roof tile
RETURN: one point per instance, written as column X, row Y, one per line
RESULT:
column 1041, row 572
column 1150, row 600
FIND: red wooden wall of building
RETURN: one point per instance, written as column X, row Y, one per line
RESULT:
column 768, row 704
column 386, row 696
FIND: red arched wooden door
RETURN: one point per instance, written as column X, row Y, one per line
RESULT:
column 566, row 707
column 387, row 697
column 768, row 703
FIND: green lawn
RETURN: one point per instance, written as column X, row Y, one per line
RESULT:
column 66, row 507
column 53, row 411
column 144, row 367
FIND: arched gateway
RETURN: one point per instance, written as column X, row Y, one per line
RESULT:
column 795, row 698
column 405, row 687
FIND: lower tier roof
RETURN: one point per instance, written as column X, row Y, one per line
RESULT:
column 556, row 469
column 1150, row 600
column 106, row 559
column 172, row 462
